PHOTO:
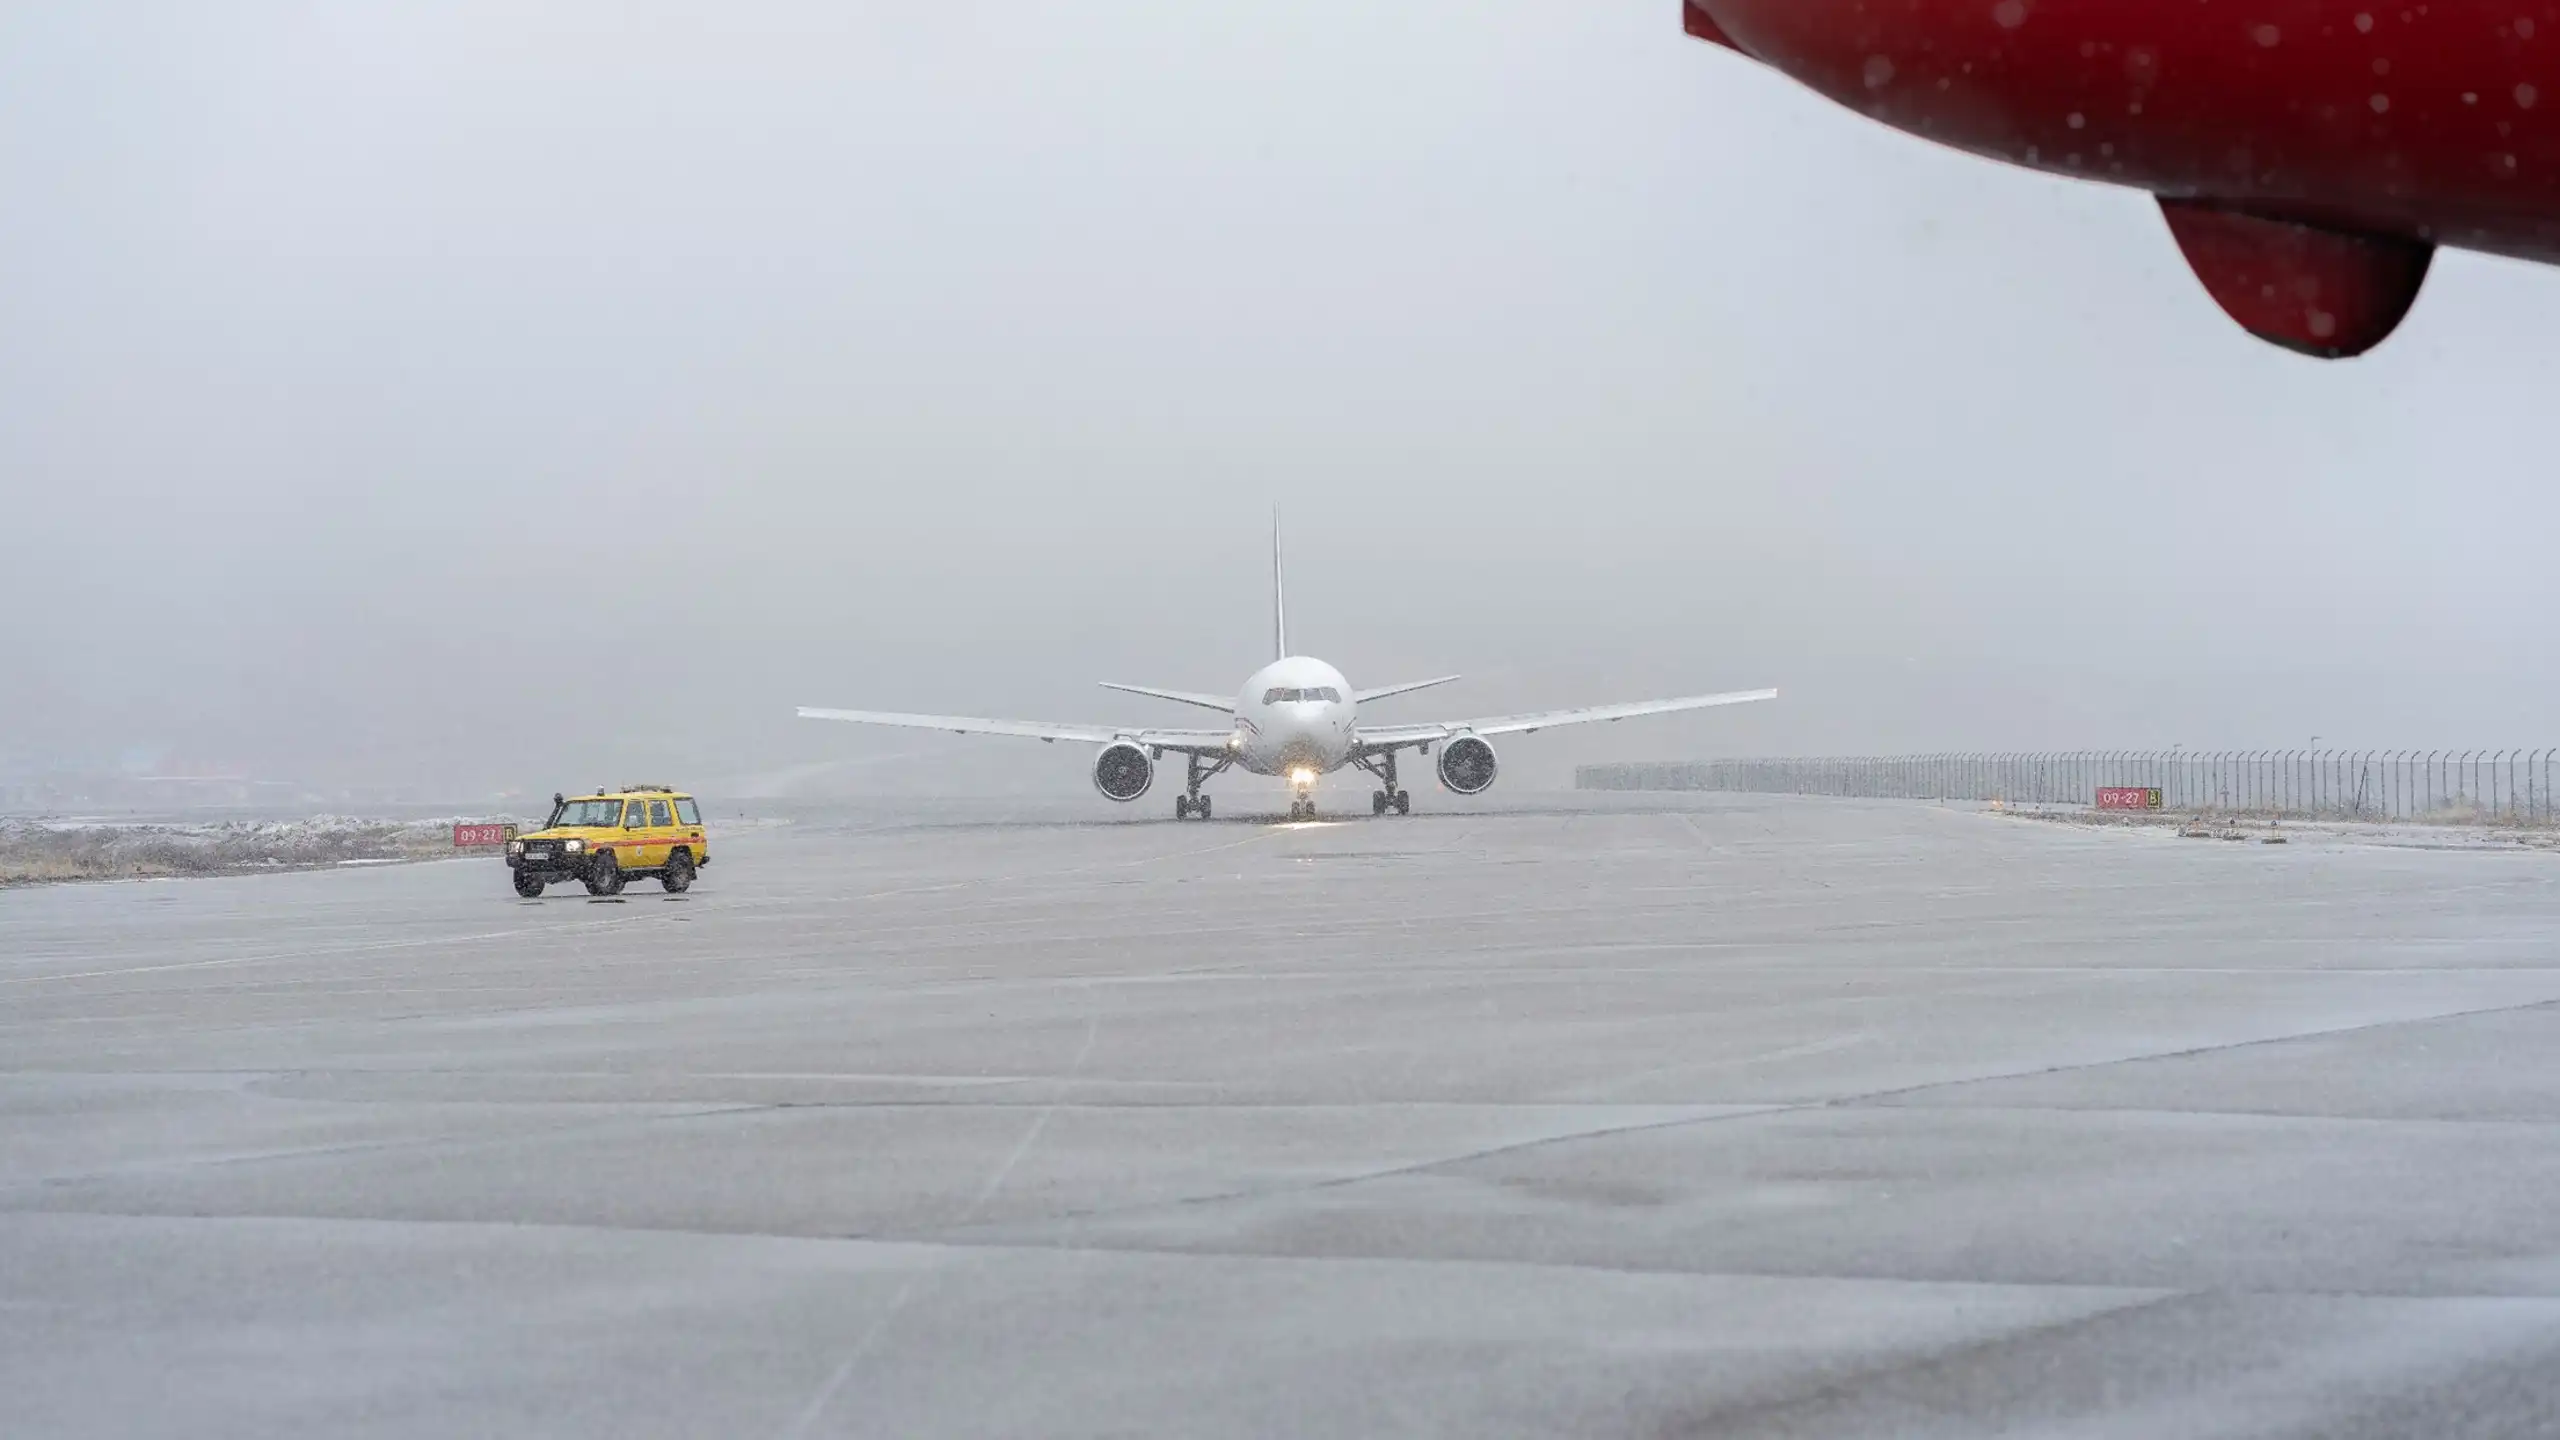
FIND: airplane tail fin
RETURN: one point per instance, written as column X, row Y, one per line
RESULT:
column 1279, row 597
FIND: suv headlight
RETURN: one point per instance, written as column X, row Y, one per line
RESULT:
column 574, row 845
column 515, row 847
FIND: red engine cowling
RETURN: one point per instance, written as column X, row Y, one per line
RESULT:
column 2312, row 152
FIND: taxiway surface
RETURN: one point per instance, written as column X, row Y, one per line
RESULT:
column 1605, row 1115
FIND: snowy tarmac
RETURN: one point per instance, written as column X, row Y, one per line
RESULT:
column 1579, row 1115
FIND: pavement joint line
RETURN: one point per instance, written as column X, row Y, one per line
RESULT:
column 2305, row 1117
column 674, row 1110
column 994, row 1243
column 911, row 982
column 2190, row 1052
column 1749, row 1112
column 680, row 1109
column 862, row 1347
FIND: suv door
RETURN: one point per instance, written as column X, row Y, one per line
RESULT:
column 689, row 821
column 664, row 837
column 633, row 846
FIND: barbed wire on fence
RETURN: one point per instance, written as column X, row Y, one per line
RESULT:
column 2475, row 787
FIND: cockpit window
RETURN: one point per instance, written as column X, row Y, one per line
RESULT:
column 1327, row 694
column 1324, row 693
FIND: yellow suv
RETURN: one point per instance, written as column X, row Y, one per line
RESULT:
column 606, row 838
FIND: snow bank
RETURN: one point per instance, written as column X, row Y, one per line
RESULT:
column 37, row 851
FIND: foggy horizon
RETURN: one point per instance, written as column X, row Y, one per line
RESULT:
column 482, row 400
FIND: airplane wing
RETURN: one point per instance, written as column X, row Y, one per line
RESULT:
column 1223, row 704
column 1407, row 688
column 1184, row 741
column 1394, row 737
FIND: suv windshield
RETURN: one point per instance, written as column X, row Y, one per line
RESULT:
column 587, row 812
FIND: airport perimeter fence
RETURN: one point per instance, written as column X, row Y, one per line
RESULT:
column 2442, row 787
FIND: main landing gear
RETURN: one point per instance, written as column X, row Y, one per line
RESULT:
column 1191, row 804
column 1390, row 798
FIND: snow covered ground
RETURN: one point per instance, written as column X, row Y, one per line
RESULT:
column 2459, row 834
column 34, row 852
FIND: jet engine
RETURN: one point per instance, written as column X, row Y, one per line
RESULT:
column 1123, row 772
column 1467, row 765
column 2310, row 154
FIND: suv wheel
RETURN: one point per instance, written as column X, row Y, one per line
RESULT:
column 528, row 886
column 604, row 874
column 678, row 876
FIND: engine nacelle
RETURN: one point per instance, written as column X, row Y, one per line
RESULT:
column 1467, row 765
column 1123, row 772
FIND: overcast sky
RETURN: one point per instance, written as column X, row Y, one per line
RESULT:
column 509, row 396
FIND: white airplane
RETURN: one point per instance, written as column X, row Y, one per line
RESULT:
column 1296, row 717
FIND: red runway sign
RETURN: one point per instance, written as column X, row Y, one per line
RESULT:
column 477, row 837
column 2128, row 797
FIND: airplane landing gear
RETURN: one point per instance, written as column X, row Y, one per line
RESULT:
column 1191, row 802
column 1390, row 798
column 1302, row 809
